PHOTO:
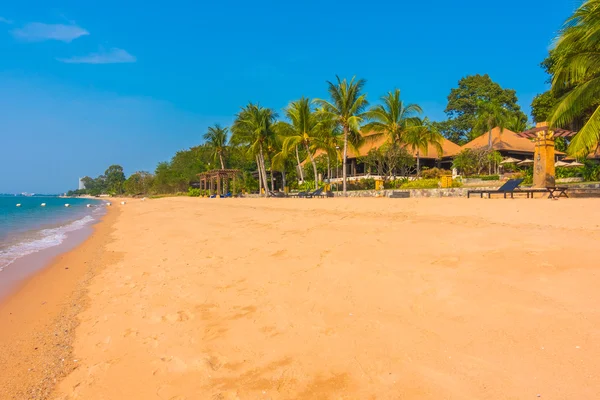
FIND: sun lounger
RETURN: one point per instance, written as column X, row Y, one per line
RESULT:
column 509, row 187
column 277, row 194
column 299, row 194
column 316, row 193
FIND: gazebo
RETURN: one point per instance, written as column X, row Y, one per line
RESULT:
column 543, row 159
column 217, row 180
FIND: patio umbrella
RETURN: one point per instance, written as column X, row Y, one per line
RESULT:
column 561, row 164
column 575, row 164
column 527, row 161
column 509, row 160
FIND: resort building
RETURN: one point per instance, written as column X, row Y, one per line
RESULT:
column 428, row 159
column 506, row 142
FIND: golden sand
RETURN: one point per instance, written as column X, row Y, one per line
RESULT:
column 342, row 299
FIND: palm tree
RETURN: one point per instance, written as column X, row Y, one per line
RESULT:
column 392, row 118
column 420, row 136
column 347, row 107
column 216, row 139
column 577, row 77
column 489, row 115
column 302, row 130
column 253, row 127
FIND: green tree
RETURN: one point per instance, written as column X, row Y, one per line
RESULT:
column 216, row 139
column 115, row 177
column 577, row 74
column 489, row 115
column 392, row 118
column 465, row 100
column 140, row 182
column 303, row 130
column 542, row 106
column 253, row 127
column 420, row 137
column 347, row 107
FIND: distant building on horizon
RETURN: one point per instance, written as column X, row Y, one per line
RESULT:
column 81, row 184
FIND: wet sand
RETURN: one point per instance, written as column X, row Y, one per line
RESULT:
column 340, row 299
column 38, row 312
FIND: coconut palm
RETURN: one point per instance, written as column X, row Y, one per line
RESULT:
column 392, row 118
column 216, row 139
column 346, row 107
column 577, row 77
column 253, row 127
column 420, row 136
column 489, row 115
column 302, row 130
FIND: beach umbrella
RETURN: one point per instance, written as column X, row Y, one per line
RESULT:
column 527, row 161
column 574, row 164
column 509, row 160
column 561, row 164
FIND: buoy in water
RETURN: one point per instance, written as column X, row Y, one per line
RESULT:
column 43, row 204
column 19, row 205
column 67, row 205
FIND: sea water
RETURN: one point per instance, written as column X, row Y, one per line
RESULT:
column 31, row 227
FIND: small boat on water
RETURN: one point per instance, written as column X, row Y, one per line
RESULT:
column 67, row 205
column 18, row 204
column 43, row 204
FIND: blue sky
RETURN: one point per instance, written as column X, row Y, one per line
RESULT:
column 87, row 84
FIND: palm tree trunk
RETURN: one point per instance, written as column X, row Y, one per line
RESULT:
column 299, row 166
column 222, row 163
column 345, row 160
column 260, row 182
column 314, row 164
column 328, row 170
column 264, row 171
column 418, row 164
column 283, row 180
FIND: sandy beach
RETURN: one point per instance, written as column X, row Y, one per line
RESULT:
column 183, row 298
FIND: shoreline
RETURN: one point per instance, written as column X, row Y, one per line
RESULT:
column 38, row 314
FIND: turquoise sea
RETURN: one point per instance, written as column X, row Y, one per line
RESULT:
column 27, row 227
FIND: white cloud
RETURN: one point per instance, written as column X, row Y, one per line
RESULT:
column 6, row 21
column 38, row 32
column 111, row 56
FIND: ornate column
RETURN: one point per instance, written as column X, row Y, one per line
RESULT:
column 543, row 168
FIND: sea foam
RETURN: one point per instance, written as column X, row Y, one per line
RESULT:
column 43, row 239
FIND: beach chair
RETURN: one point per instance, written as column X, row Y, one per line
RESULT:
column 510, row 187
column 316, row 193
column 225, row 196
column 299, row 194
column 277, row 194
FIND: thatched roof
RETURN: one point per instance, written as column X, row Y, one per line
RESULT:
column 376, row 141
column 372, row 141
column 506, row 140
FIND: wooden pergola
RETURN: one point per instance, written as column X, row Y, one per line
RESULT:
column 544, row 171
column 217, row 180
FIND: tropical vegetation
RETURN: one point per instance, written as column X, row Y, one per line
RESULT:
column 314, row 136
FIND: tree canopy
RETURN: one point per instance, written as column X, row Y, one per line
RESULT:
column 465, row 101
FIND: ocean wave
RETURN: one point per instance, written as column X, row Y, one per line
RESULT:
column 44, row 239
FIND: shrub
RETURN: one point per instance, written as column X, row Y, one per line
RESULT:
column 194, row 192
column 421, row 184
column 490, row 177
column 434, row 173
column 363, row 184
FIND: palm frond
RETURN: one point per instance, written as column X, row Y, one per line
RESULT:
column 587, row 139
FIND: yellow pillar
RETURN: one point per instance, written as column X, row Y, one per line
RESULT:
column 543, row 167
column 378, row 184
